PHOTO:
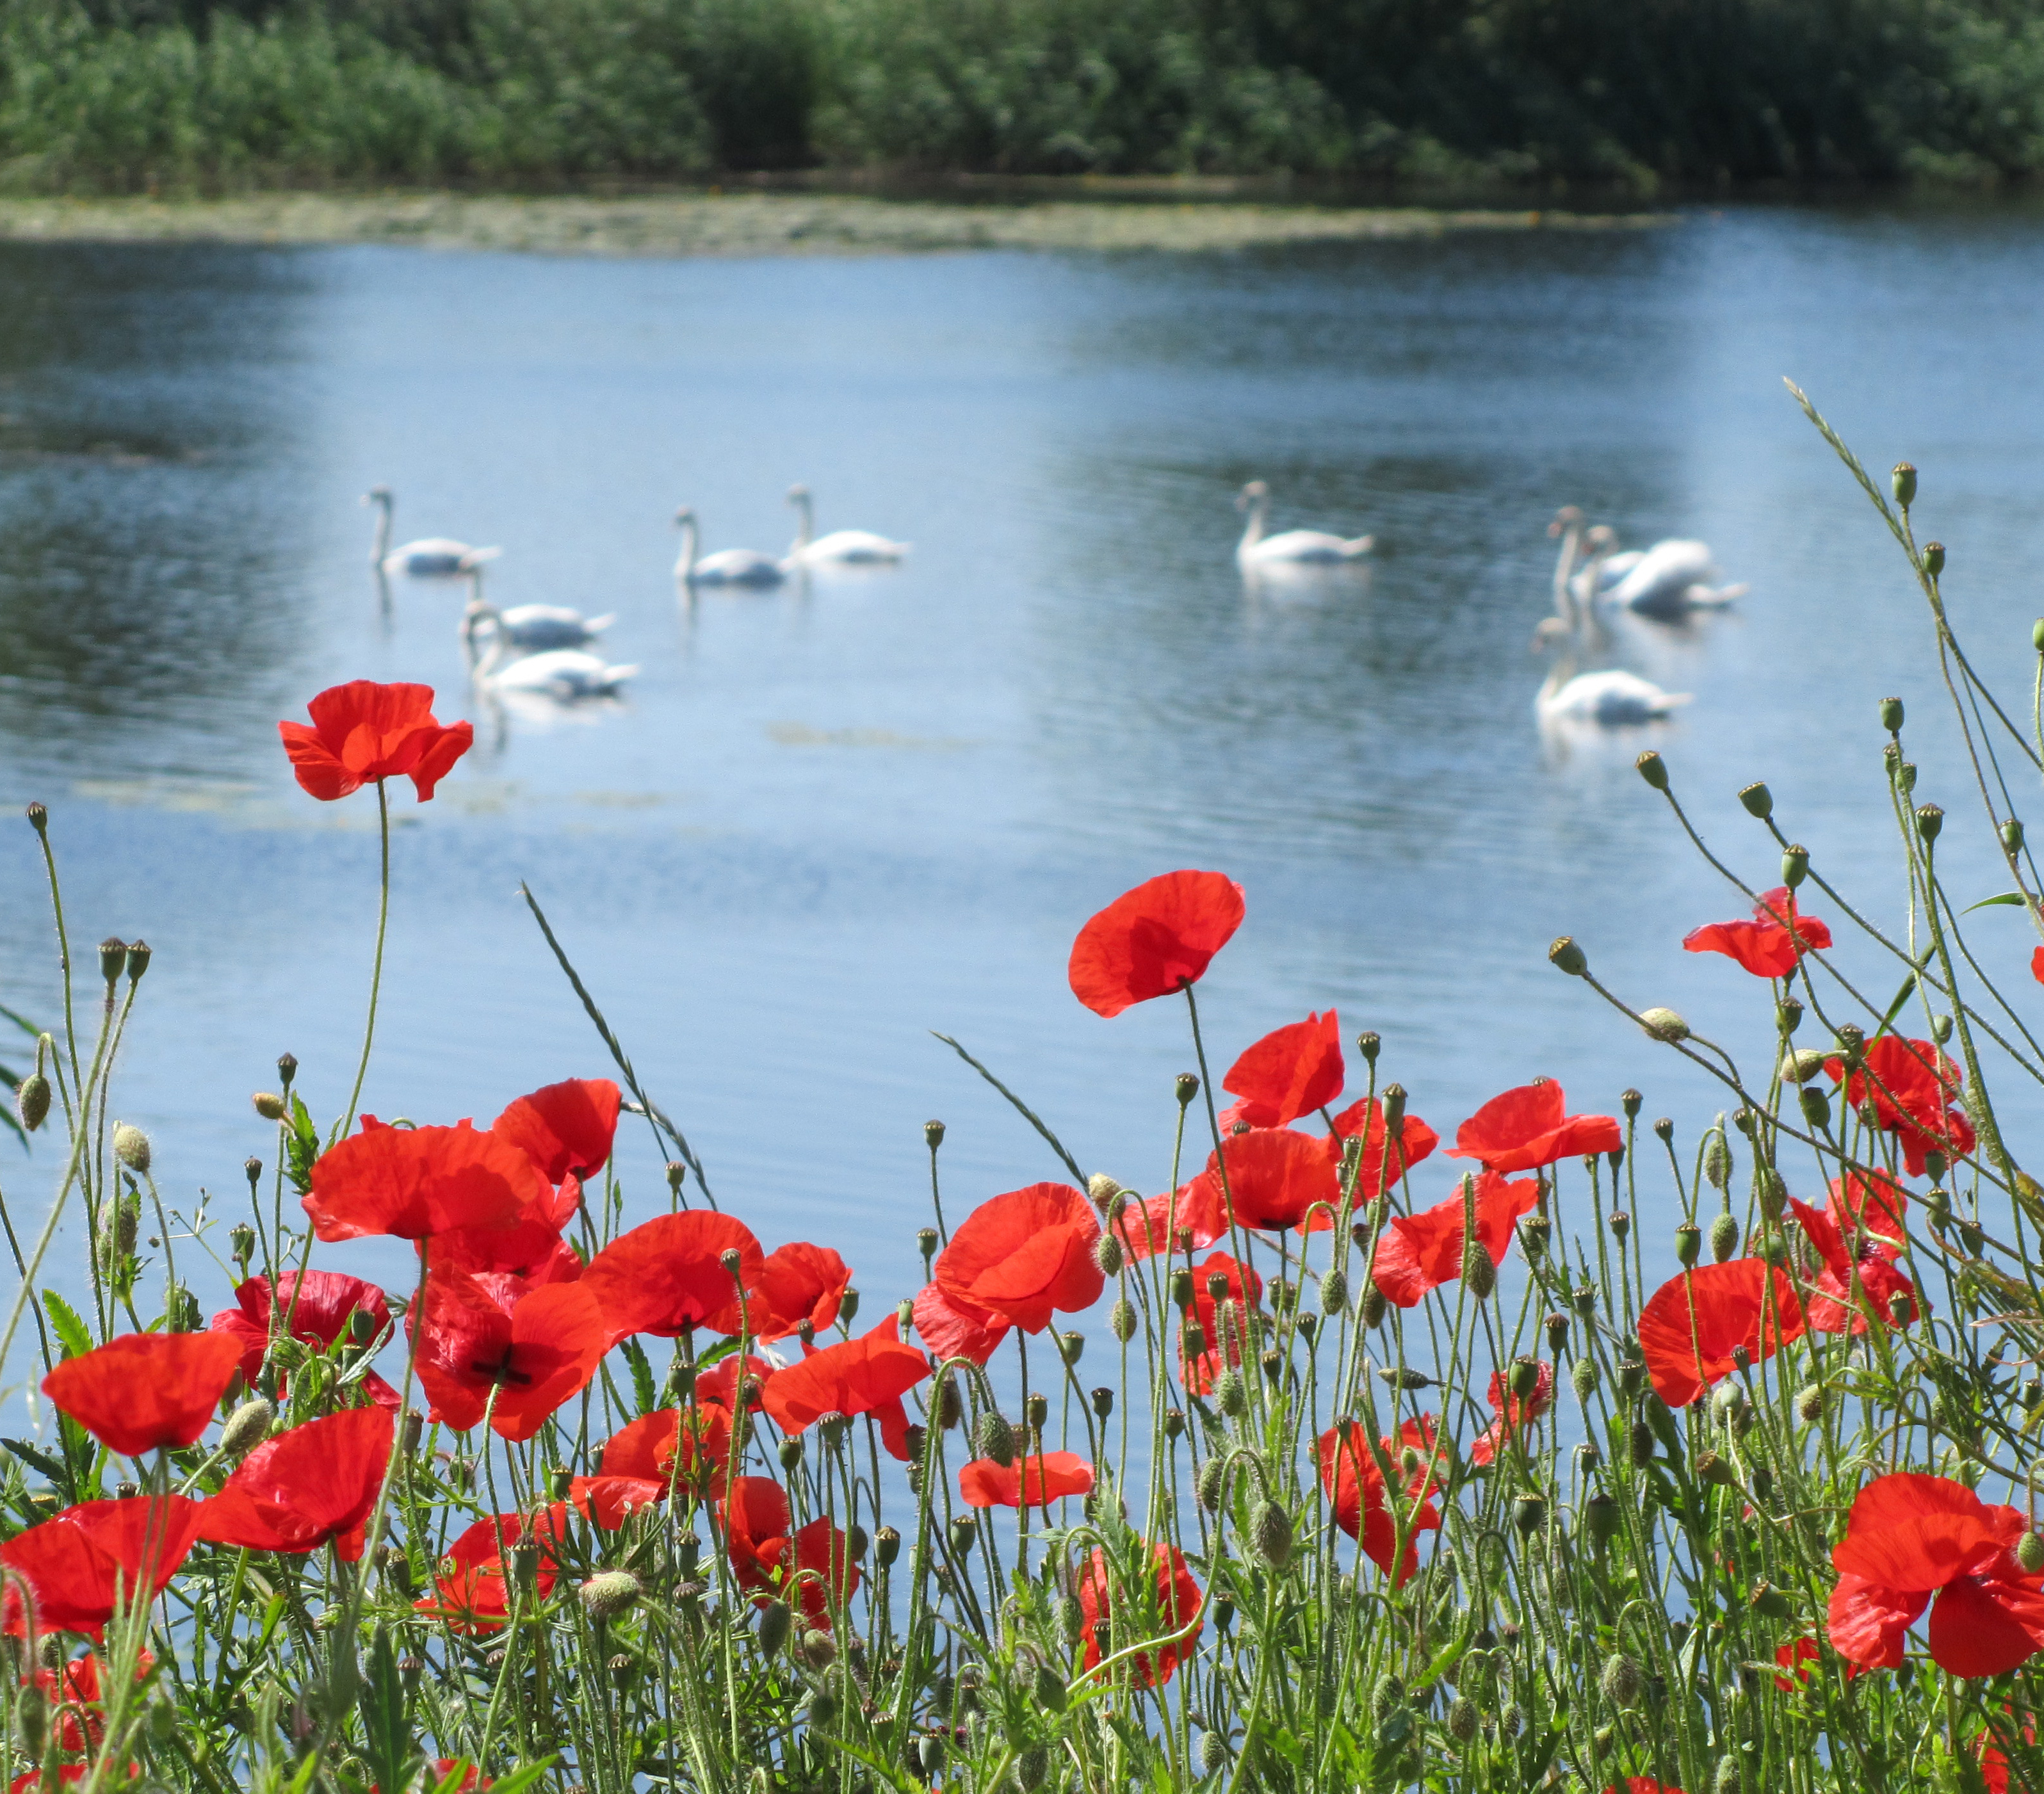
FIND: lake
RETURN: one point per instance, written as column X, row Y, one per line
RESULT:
column 829, row 820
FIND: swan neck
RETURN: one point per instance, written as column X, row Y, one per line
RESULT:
column 382, row 532
column 1253, row 532
column 806, row 533
column 686, row 562
column 1572, row 543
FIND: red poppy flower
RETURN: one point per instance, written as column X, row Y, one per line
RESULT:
column 1771, row 944
column 868, row 1375
column 1834, row 1307
column 1025, row 1255
column 1190, row 1218
column 1351, row 1476
column 764, row 1557
column 719, row 1384
column 668, row 1275
column 1050, row 1477
column 1994, row 1761
column 1525, row 1128
column 567, row 1128
column 322, row 1306
column 1691, row 1324
column 1287, row 1073
column 1911, row 1085
column 416, row 1181
column 311, row 1485
column 509, row 1263
column 74, row 1692
column 535, row 1356
column 1379, row 1169
column 687, row 1448
column 1153, row 940
column 77, row 1561
column 472, row 1594
column 146, row 1390
column 1274, row 1174
column 1644, row 1784
column 1512, row 1412
column 1226, row 1346
column 1795, row 1660
column 2037, row 965
column 1909, row 1537
column 952, row 1328
column 66, row 1772
column 800, row 1282
column 1418, row 1253
column 1173, row 1601
column 472, row 1778
column 363, row 733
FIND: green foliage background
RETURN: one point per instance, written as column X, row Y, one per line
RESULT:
column 119, row 95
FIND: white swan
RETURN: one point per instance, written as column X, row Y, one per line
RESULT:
column 563, row 673
column 1668, row 580
column 431, row 557
column 1611, row 698
column 526, row 626
column 729, row 567
column 842, row 548
column 1296, row 548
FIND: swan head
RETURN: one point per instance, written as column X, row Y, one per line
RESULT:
column 1570, row 517
column 686, row 515
column 1601, row 538
column 377, row 495
column 1550, row 631
column 798, row 494
column 1253, row 493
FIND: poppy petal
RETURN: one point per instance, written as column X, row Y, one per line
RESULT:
column 144, row 1390
column 1153, row 940
column 1290, row 1072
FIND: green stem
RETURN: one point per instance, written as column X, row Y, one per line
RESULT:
column 376, row 971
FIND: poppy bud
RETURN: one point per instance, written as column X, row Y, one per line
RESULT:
column 1935, row 1165
column 1188, row 1087
column 1601, row 1515
column 774, row 1622
column 131, row 1146
column 1664, row 1025
column 1270, row 1529
column 1902, row 482
column 1478, row 1272
column 1231, row 1393
column 791, row 1455
column 965, row 1530
column 1714, row 1467
column 32, row 1714
column 886, row 1545
column 1583, row 1376
column 1401, row 1376
column 1724, row 1236
column 1816, row 1106
column 1107, row 1255
column 1929, row 821
column 993, row 1437
column 1374, row 1305
column 1688, row 1243
column 2036, row 641
column 1122, row 1320
column 1174, row 1423
column 1717, row 1157
column 1208, row 1485
column 1653, row 769
column 822, row 1709
column 1758, row 800
column 608, row 1593
column 268, row 1105
column 1565, row 956
column 1463, row 1720
column 1213, row 1753
column 246, row 1427
column 32, row 1101
column 2029, row 1553
column 1334, row 1290
column 113, row 958
column 1386, row 1698
column 1103, row 1401
column 1620, row 1680
column 1934, row 558
column 1529, row 1513
column 1640, row 1441
column 1071, row 1346
column 1795, row 865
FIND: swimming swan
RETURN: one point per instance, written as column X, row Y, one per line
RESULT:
column 1296, row 548
column 1667, row 580
column 729, row 567
column 526, row 626
column 431, row 557
column 842, row 548
column 1612, row 698
column 564, row 674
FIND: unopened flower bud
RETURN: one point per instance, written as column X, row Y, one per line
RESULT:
column 1122, row 1321
column 1107, row 1255
column 1208, row 1485
column 1795, row 865
column 1601, row 1515
column 1640, row 1441
column 268, row 1105
column 1934, row 558
column 1213, row 1753
column 1374, row 1305
column 1231, row 1393
column 1816, row 1106
column 993, row 1437
column 246, row 1427
column 1583, row 1376
column 1653, row 769
column 1565, row 956
column 774, row 1623
column 1770, row 1191
column 32, row 1714
column 2029, row 1553
column 608, row 1593
column 1620, row 1680
column 1664, row 1025
column 1724, row 1236
column 32, row 1101
column 2036, row 641
column 131, row 1146
column 1802, row 1065
column 1479, row 1271
column 1334, row 1291
column 1758, row 800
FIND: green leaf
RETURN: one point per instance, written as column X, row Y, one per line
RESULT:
column 71, row 1331
column 514, row 1783
column 36, row 1459
column 2015, row 898
column 642, row 1376
column 386, row 1731
column 302, row 1146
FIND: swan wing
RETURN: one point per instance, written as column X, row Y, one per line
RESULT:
column 1305, row 545
column 850, row 545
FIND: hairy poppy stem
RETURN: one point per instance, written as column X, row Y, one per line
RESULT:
column 376, row 969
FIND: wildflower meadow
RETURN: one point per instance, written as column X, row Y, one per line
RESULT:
column 1343, row 1451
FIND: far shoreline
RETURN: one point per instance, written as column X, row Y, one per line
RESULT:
column 715, row 223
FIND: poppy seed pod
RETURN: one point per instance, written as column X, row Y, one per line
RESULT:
column 886, row 1545
column 1102, row 1398
column 1620, row 1680
column 926, row 1243
column 1187, row 1087
column 933, row 1135
column 1585, row 1299
column 1795, row 865
column 1934, row 558
column 1565, row 956
column 1534, row 1230
column 1688, row 1243
column 1929, row 822
column 1653, row 769
column 1905, row 775
column 1713, row 1467
column 1174, row 1423
column 1394, row 1101
column 1583, row 1377
column 1756, row 800
column 1529, row 1512
column 993, row 1438
column 1601, row 1515
column 1941, row 1028
column 1664, row 1025
column 2029, row 1553
column 131, row 1146
column 139, row 954
column 1891, row 715
column 1769, row 1600
column 608, row 1593
column 32, row 1101
column 1182, row 1288
column 1122, row 1320
column 1193, row 1339
column 113, row 958
column 1035, row 1410
column 1524, row 1377
column 38, row 818
column 791, row 1455
column 1902, row 482
column 1071, row 1346
column 1724, row 1236
column 965, row 1532
column 246, row 1427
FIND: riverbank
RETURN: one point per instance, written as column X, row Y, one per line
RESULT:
column 749, row 224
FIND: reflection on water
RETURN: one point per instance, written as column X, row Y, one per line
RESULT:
column 829, row 817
